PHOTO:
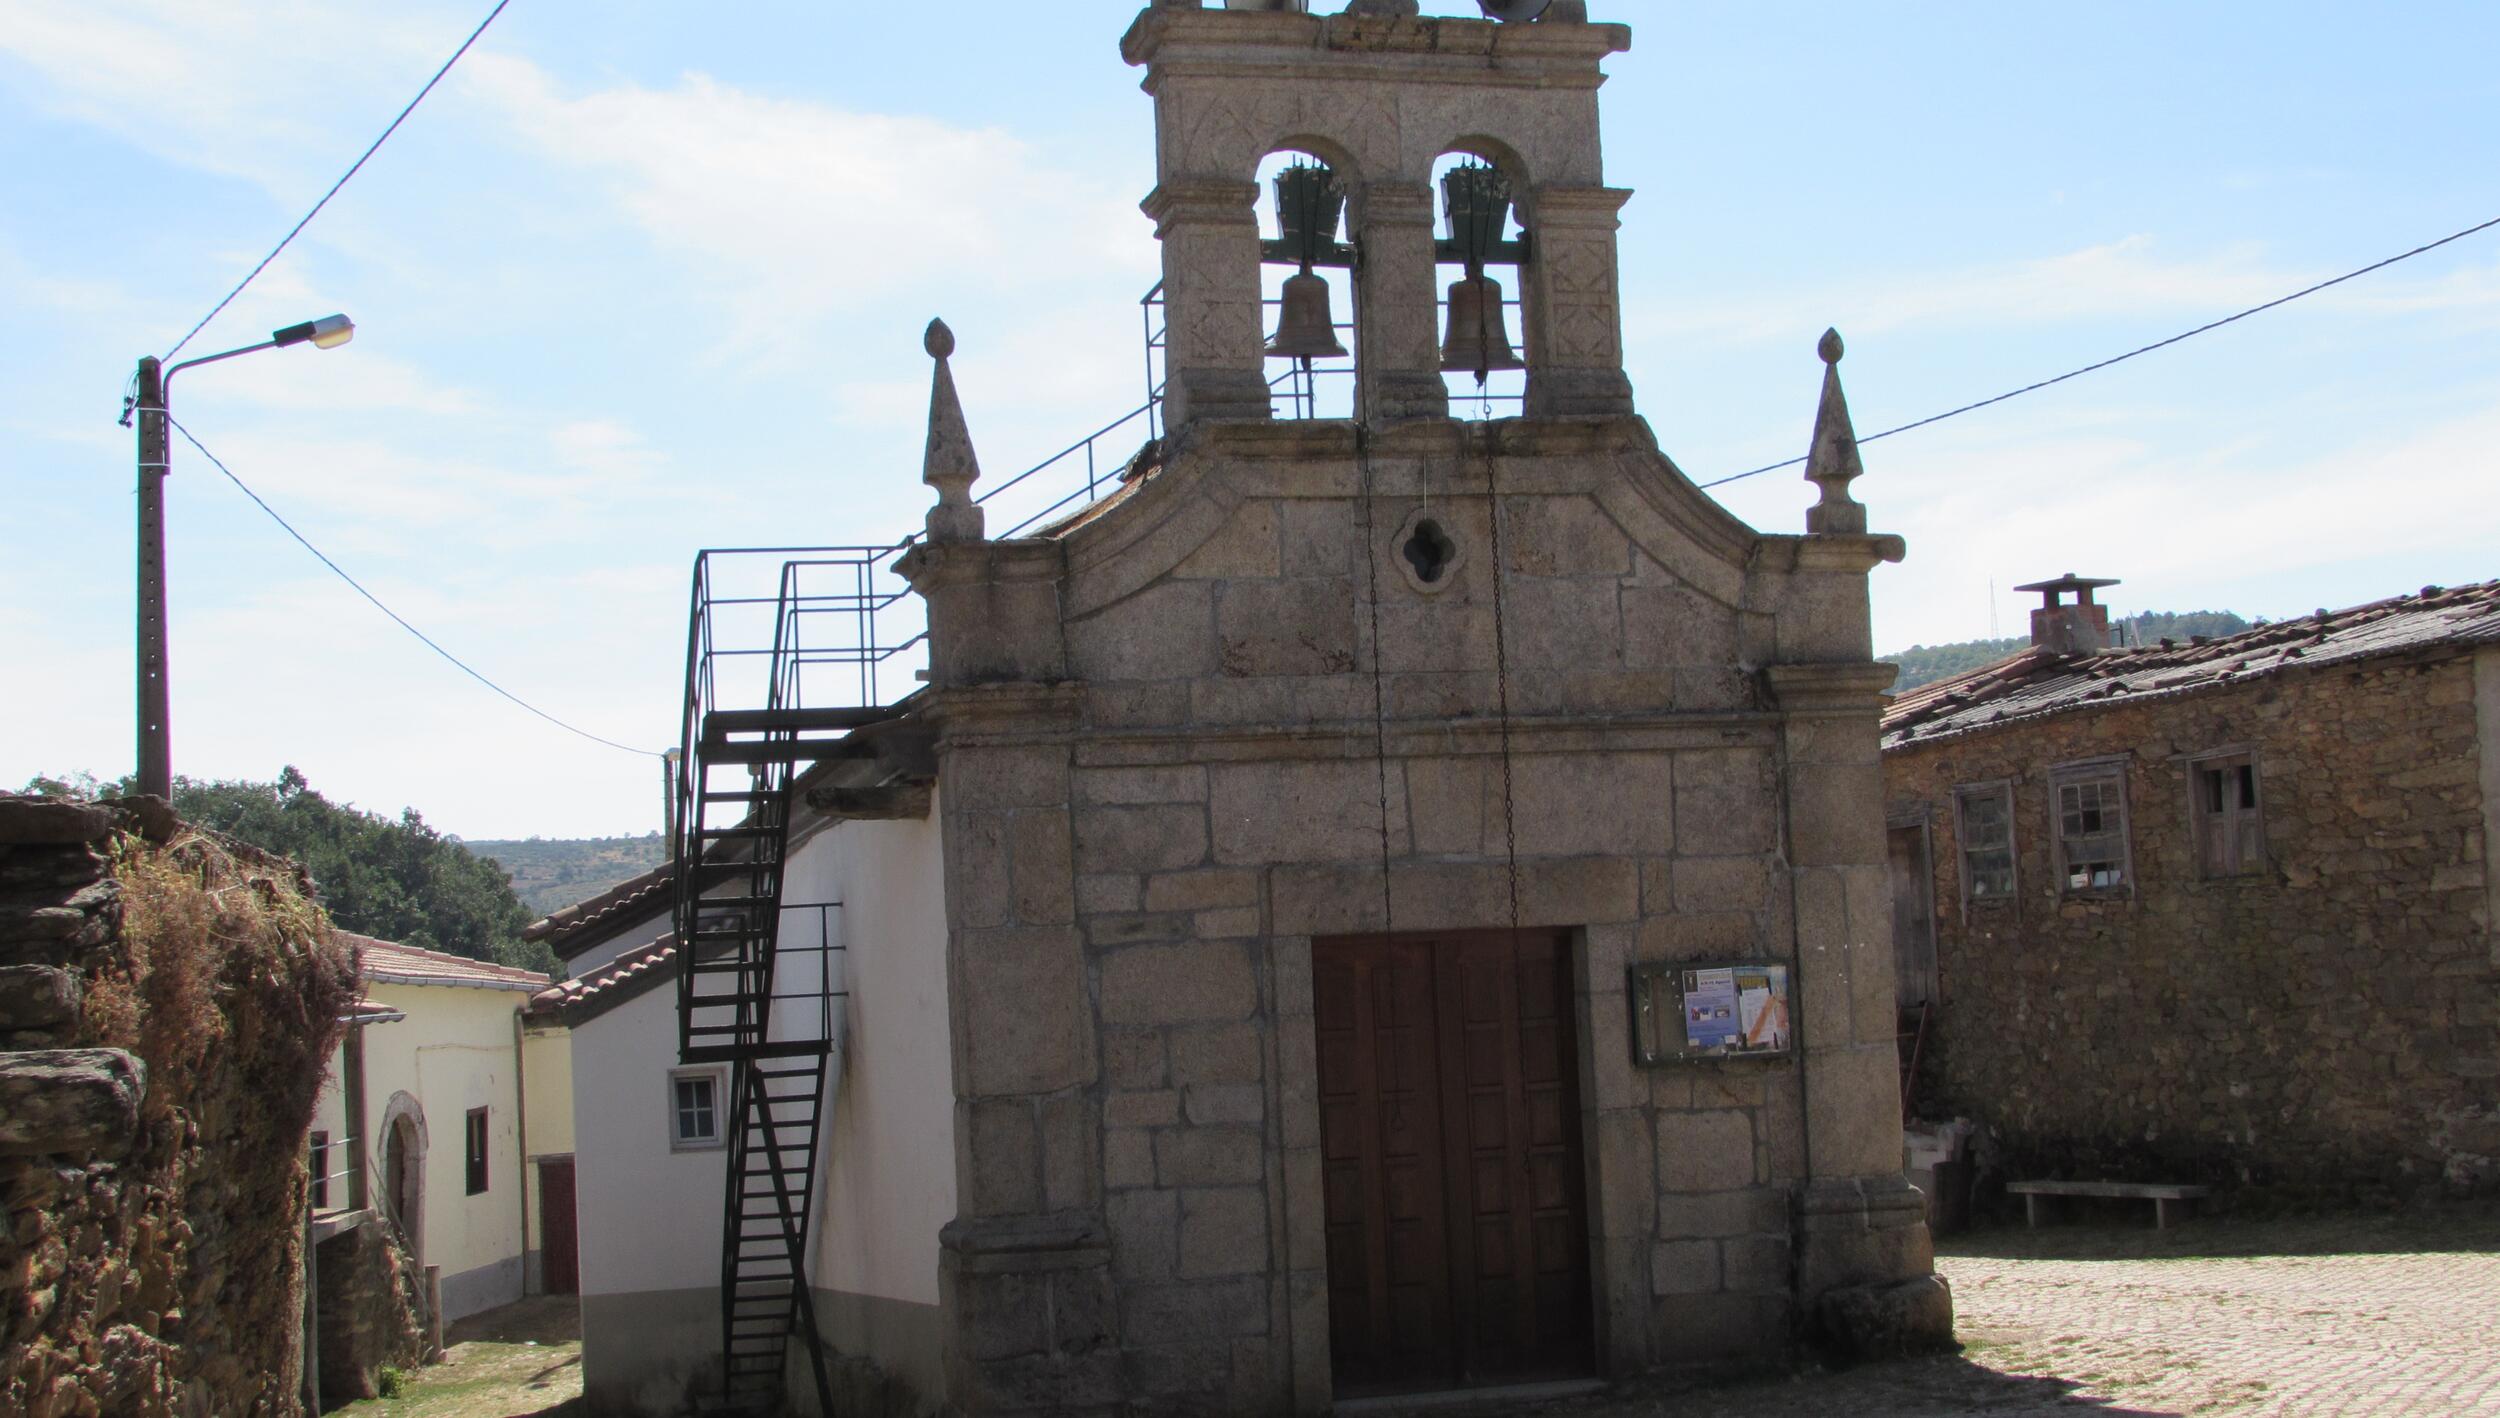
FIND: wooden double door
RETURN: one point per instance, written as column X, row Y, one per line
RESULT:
column 1458, row 1252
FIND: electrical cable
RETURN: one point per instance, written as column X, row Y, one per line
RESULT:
column 399, row 620
column 2140, row 350
column 358, row 165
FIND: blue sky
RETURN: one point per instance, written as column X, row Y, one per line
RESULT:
column 644, row 278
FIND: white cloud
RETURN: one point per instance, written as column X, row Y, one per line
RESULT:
column 2233, row 516
column 258, row 89
column 790, row 211
column 2122, row 278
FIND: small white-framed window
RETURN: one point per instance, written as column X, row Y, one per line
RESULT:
column 2225, row 805
column 1983, row 816
column 2088, row 824
column 697, row 1099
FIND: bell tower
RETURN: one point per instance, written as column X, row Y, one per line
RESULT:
column 1380, row 97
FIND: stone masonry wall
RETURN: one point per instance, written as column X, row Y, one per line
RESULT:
column 2328, row 1025
column 157, row 1072
column 1140, row 856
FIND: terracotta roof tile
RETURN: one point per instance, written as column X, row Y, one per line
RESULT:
column 2035, row 682
column 390, row 963
column 584, row 923
column 611, row 984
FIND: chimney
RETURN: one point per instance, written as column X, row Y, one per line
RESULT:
column 2078, row 629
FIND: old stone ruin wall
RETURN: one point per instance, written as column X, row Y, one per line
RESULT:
column 167, row 1002
column 2327, row 1028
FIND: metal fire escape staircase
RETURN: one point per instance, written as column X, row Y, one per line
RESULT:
column 761, row 621
column 743, row 999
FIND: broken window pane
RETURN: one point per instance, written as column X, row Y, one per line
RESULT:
column 2092, row 831
column 1987, row 818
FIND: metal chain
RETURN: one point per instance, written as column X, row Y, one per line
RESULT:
column 1380, row 703
column 1501, row 680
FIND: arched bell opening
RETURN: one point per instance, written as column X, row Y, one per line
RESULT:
column 1306, row 285
column 1482, row 250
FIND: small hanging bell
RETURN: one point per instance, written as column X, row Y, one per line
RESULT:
column 1479, row 336
column 1306, row 328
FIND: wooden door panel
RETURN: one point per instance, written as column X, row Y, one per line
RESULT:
column 558, row 1231
column 1457, row 1239
column 1913, row 917
column 1380, row 1144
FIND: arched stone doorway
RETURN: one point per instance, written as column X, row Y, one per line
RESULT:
column 403, row 1169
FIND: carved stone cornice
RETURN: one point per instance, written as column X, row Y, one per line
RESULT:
column 1846, row 687
column 933, row 566
column 1182, row 201
column 989, row 713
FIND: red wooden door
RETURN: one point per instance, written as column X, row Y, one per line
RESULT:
column 560, row 1256
column 1456, row 1211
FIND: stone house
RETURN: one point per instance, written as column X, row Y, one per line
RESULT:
column 2219, row 911
column 1370, row 906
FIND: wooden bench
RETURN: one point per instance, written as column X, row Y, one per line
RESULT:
column 2162, row 1195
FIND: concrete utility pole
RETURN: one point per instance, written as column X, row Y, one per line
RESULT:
column 156, row 754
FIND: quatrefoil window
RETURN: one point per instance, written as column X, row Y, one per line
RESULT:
column 1426, row 553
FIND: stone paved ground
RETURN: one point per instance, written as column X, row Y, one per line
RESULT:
column 2387, row 1317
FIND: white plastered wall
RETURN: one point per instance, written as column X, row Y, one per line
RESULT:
column 889, row 1167
column 650, row 1216
column 547, row 1095
column 454, row 1051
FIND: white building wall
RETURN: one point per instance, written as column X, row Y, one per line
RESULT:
column 650, row 1216
column 456, row 1050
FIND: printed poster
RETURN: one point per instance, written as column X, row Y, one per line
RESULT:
column 1737, row 1009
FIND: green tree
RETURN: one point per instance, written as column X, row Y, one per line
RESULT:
column 395, row 878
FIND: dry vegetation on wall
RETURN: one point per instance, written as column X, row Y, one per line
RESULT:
column 168, row 1280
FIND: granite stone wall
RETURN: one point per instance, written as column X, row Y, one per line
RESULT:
column 158, row 1065
column 2326, row 1024
column 1164, row 781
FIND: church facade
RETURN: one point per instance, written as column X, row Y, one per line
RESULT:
column 1410, row 908
column 1345, row 824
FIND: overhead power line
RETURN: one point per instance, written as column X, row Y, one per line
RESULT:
column 2139, row 350
column 396, row 618
column 352, row 170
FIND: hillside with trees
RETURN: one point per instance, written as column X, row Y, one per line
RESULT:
column 391, row 877
column 550, row 873
column 1925, row 664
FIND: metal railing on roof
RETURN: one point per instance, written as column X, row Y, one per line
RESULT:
column 838, row 627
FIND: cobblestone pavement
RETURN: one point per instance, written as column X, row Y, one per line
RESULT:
column 2386, row 1317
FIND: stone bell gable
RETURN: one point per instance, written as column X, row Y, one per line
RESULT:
column 1380, row 98
column 1323, row 737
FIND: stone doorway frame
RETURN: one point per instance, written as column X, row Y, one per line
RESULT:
column 1617, row 1156
column 404, row 1112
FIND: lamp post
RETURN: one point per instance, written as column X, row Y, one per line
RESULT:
column 156, row 757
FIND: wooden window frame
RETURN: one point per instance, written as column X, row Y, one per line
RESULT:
column 475, row 1138
column 718, row 1077
column 2199, row 815
column 2082, row 770
column 1962, row 793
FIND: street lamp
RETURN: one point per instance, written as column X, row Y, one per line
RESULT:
column 155, row 384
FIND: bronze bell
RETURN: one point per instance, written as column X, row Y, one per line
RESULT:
column 1306, row 328
column 1479, row 336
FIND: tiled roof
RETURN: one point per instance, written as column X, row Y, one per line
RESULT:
column 585, row 923
column 630, row 974
column 390, row 963
column 365, row 1011
column 2035, row 682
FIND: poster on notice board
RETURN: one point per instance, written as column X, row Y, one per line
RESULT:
column 1736, row 1009
column 1683, row 1012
